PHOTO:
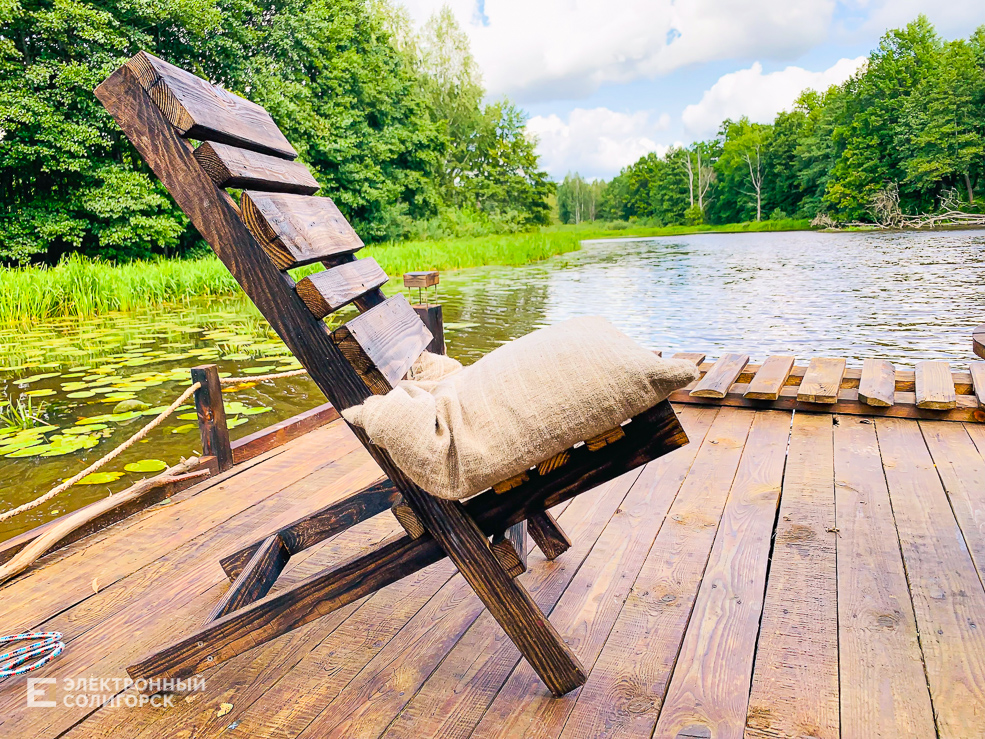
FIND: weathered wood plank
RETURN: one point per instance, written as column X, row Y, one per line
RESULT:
column 883, row 686
column 326, row 292
column 296, row 230
column 719, row 378
column 709, row 692
column 978, row 340
column 278, row 434
column 696, row 357
column 229, row 166
column 878, row 384
column 978, row 381
column 935, row 387
column 822, row 381
column 624, row 695
column 948, row 598
column 202, row 111
column 256, row 579
column 211, row 412
column 795, row 680
column 547, row 535
column 507, row 556
column 770, row 378
column 383, row 343
column 517, row 534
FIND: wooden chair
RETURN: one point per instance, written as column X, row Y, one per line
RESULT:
column 276, row 226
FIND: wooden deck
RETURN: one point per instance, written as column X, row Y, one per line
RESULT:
column 784, row 575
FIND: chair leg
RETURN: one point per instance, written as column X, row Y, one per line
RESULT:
column 548, row 535
column 256, row 579
column 517, row 534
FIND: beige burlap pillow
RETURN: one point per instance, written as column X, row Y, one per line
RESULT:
column 517, row 406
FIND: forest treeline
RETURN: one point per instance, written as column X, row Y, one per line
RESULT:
column 391, row 120
column 906, row 132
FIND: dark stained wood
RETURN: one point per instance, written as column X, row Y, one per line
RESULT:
column 383, row 343
column 326, row 292
column 507, row 555
column 282, row 432
column 709, row 691
column 212, row 416
column 883, row 685
column 822, row 380
column 228, row 166
column 978, row 380
column 296, row 230
column 517, row 534
column 407, row 519
column 321, row 524
column 547, row 535
column 935, row 386
column 770, row 378
column 432, row 319
column 256, row 579
column 878, row 383
column 718, row 380
column 200, row 110
column 795, row 680
column 978, row 340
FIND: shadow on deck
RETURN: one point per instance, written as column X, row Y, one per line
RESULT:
column 784, row 575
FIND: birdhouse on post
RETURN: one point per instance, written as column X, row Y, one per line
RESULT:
column 430, row 314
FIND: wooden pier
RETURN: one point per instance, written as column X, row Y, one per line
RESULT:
column 800, row 569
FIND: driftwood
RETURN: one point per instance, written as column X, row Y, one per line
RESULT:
column 37, row 548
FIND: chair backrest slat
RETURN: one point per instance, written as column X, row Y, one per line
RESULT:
column 296, row 230
column 383, row 343
column 229, row 166
column 202, row 111
column 326, row 292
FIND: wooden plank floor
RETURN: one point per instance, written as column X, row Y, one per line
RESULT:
column 784, row 575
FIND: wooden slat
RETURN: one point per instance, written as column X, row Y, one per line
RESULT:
column 883, row 686
column 282, row 432
column 383, row 343
column 228, row 166
column 296, row 230
column 878, row 383
column 547, row 535
column 795, row 680
column 770, row 378
column 978, row 340
column 719, row 379
column 822, row 381
column 205, row 112
column 935, row 387
column 507, row 556
column 978, row 381
column 696, row 357
column 948, row 598
column 408, row 519
column 256, row 579
column 709, row 692
column 326, row 292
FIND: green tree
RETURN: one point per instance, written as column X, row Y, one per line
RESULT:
column 741, row 165
column 579, row 200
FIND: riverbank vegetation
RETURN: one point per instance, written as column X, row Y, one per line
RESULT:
column 904, row 136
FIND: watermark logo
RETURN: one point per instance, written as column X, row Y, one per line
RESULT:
column 108, row 692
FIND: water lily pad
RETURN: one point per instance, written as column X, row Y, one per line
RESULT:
column 258, row 370
column 39, row 393
column 72, row 386
column 100, row 478
column 80, row 394
column 184, row 428
column 30, row 451
column 128, row 404
column 87, row 429
column 256, row 411
column 232, row 423
column 118, row 397
column 237, row 357
column 146, row 465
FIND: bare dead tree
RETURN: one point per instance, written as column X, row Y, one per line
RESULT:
column 756, row 178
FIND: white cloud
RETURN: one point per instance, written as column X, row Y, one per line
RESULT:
column 553, row 49
column 596, row 142
column 760, row 96
column 952, row 18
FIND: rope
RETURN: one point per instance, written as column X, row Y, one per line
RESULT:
column 261, row 378
column 99, row 463
column 49, row 647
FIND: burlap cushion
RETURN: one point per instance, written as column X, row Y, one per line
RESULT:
column 517, row 406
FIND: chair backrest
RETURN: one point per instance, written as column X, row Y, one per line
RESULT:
column 278, row 224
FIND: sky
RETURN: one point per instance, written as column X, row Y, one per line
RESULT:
column 607, row 81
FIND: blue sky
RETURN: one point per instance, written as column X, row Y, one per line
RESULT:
column 605, row 81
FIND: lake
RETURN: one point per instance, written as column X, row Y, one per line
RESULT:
column 898, row 296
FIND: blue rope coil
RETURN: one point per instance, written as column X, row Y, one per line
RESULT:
column 47, row 645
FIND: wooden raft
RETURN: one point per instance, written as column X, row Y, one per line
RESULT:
column 934, row 390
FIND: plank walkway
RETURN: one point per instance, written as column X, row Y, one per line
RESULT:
column 787, row 574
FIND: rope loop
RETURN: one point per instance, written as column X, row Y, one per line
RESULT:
column 46, row 644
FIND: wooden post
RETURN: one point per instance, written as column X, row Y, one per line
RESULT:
column 212, row 416
column 430, row 314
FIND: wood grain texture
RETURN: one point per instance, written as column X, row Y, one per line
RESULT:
column 978, row 340
column 822, row 381
column 229, row 166
column 948, row 598
column 211, row 413
column 878, row 383
column 407, row 519
column 934, row 386
column 883, row 687
column 626, row 689
column 256, row 579
column 296, row 230
column 432, row 318
column 548, row 535
column 507, row 556
column 795, row 680
column 326, row 292
column 709, row 692
column 517, row 534
column 696, row 357
column 200, row 110
column 278, row 434
column 718, row 380
column 383, row 343
column 770, row 378
column 978, row 381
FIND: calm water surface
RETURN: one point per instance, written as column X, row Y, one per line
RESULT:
column 903, row 297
